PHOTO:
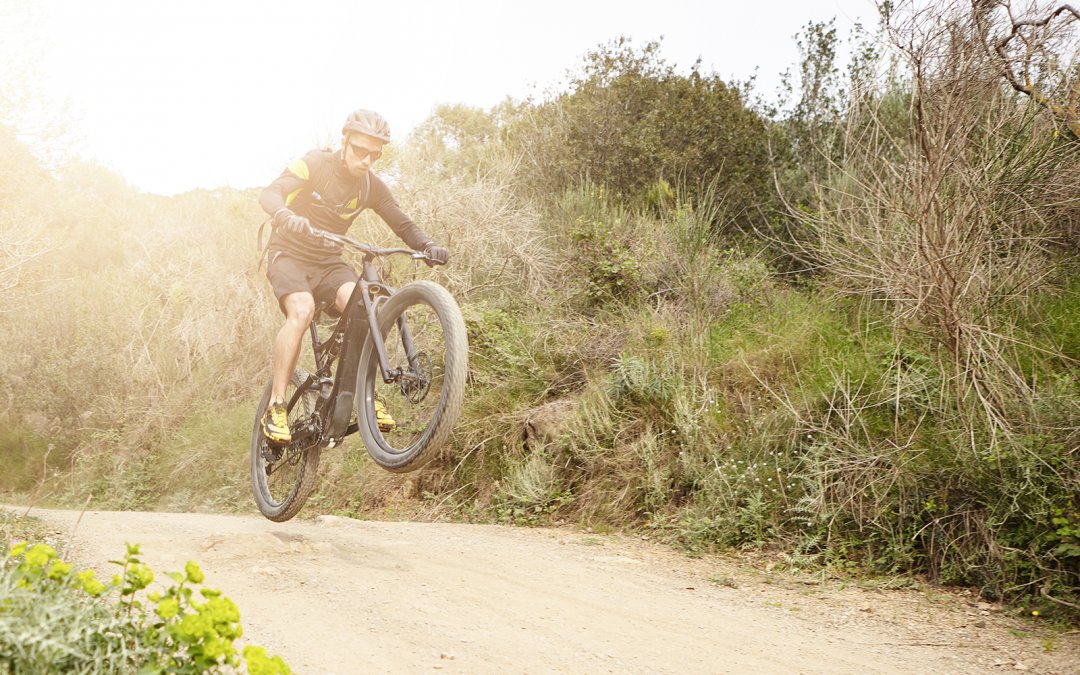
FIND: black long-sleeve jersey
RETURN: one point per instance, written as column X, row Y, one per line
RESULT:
column 319, row 187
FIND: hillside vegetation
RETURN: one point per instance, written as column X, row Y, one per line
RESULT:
column 847, row 328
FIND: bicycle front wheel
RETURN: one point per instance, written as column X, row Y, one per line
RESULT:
column 282, row 477
column 404, row 422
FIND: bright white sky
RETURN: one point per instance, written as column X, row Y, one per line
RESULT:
column 179, row 95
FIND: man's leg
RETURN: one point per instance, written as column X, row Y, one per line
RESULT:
column 299, row 311
column 344, row 292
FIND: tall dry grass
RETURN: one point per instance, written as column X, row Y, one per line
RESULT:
column 146, row 312
column 951, row 231
column 943, row 210
column 495, row 238
column 28, row 193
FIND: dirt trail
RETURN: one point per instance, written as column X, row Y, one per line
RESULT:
column 346, row 596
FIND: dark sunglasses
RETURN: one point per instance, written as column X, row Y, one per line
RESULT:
column 361, row 152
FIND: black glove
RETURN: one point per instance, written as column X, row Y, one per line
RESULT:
column 436, row 255
column 286, row 220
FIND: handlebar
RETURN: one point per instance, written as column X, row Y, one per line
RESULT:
column 366, row 249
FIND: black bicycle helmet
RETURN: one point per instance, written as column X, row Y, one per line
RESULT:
column 368, row 123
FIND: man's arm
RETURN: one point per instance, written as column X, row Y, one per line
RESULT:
column 383, row 203
column 279, row 194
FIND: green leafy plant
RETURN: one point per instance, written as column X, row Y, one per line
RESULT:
column 54, row 619
column 612, row 272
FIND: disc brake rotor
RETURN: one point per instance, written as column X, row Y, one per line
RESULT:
column 416, row 385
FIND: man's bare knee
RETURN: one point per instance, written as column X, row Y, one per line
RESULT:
column 299, row 309
column 344, row 292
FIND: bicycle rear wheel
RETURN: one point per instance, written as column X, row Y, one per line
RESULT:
column 426, row 400
column 282, row 477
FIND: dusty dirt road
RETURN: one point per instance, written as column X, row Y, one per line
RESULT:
column 345, row 596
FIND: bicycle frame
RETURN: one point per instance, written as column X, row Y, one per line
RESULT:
column 330, row 423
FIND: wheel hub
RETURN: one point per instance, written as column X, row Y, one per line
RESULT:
column 416, row 381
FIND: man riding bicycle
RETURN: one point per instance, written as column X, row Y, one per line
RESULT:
column 325, row 190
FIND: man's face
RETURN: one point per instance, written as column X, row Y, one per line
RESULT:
column 360, row 152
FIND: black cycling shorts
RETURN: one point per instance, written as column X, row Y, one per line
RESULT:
column 289, row 275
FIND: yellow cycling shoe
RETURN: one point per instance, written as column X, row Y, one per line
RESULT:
column 275, row 424
column 382, row 416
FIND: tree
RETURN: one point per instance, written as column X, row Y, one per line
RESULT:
column 629, row 119
column 948, row 216
column 1031, row 51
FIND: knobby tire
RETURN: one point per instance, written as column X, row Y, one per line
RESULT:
column 306, row 463
column 401, row 451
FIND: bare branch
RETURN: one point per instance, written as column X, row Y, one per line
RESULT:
column 1025, row 82
column 18, row 249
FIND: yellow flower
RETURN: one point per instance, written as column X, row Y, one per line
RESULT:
column 58, row 570
column 168, row 608
column 40, row 555
column 194, row 574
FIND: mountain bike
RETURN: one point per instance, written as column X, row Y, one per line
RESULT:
column 405, row 348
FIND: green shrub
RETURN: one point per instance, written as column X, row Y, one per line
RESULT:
column 24, row 455
column 629, row 120
column 53, row 619
column 611, row 271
